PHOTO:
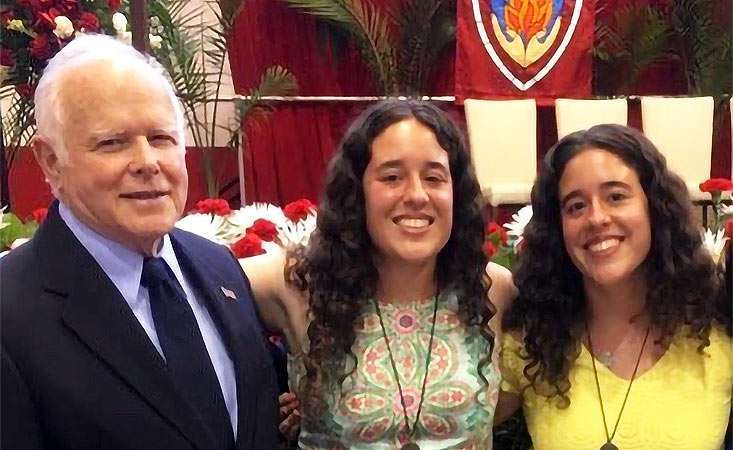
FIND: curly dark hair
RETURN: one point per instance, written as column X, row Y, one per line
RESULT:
column 337, row 268
column 550, row 311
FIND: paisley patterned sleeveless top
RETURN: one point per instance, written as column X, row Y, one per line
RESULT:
column 366, row 413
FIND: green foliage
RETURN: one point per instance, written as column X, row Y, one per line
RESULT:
column 12, row 228
column 704, row 47
column 275, row 81
column 369, row 27
column 427, row 28
column 636, row 38
column 687, row 31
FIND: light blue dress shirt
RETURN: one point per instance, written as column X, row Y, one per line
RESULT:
column 124, row 268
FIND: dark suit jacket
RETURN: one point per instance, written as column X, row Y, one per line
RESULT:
column 78, row 370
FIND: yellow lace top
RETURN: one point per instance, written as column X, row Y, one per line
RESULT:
column 682, row 403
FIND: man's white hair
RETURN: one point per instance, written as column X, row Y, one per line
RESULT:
column 82, row 50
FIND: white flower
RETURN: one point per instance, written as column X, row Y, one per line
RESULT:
column 245, row 217
column 18, row 242
column 293, row 234
column 64, row 27
column 209, row 226
column 155, row 41
column 726, row 210
column 520, row 219
column 119, row 22
column 714, row 243
column 2, row 223
column 125, row 36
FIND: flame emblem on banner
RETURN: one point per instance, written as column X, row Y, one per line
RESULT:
column 526, row 29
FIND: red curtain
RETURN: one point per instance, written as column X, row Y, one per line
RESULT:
column 288, row 150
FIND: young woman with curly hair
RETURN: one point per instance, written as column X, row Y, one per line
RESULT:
column 386, row 311
column 620, row 335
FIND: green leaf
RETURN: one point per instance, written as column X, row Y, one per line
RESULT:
column 14, row 229
column 370, row 29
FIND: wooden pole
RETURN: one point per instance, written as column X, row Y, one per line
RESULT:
column 139, row 26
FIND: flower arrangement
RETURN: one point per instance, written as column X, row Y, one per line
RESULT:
column 193, row 53
column 717, row 236
column 33, row 32
column 253, row 229
column 503, row 243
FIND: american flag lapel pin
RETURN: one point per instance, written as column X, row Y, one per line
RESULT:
column 228, row 294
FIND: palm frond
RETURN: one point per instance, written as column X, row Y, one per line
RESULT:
column 276, row 81
column 703, row 46
column 427, row 27
column 370, row 28
column 636, row 38
column 18, row 122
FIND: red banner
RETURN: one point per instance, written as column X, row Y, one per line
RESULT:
column 524, row 48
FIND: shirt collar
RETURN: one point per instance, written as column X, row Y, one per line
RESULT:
column 121, row 264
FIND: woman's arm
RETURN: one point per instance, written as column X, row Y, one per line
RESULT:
column 266, row 276
column 502, row 291
column 501, row 294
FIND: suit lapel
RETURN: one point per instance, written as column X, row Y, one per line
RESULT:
column 235, row 327
column 99, row 315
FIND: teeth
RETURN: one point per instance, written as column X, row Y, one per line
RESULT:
column 603, row 245
column 414, row 223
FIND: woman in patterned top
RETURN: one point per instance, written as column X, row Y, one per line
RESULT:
column 386, row 312
column 620, row 335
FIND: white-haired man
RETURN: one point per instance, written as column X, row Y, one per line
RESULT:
column 119, row 332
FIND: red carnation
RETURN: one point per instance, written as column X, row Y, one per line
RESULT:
column 88, row 22
column 716, row 185
column 729, row 228
column 264, row 229
column 45, row 20
column 114, row 5
column 249, row 245
column 39, row 215
column 67, row 5
column 6, row 16
column 6, row 57
column 489, row 249
column 40, row 47
column 298, row 209
column 217, row 206
column 495, row 228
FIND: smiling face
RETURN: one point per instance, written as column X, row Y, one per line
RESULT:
column 605, row 218
column 124, row 174
column 408, row 194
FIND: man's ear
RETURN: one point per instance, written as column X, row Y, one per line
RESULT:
column 47, row 157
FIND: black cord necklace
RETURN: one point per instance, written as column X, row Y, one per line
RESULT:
column 610, row 445
column 410, row 444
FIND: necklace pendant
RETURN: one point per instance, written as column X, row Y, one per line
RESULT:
column 607, row 446
column 413, row 446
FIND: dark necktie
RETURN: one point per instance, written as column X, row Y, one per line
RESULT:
column 187, row 360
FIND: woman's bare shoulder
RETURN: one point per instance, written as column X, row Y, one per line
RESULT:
column 282, row 307
column 502, row 290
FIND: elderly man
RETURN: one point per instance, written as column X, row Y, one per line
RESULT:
column 118, row 331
